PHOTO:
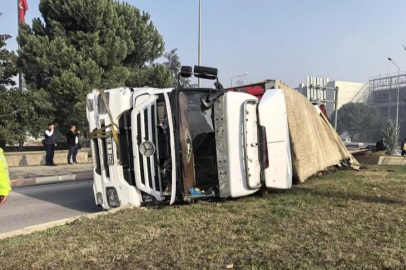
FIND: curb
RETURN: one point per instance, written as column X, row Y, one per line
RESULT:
column 50, row 180
column 49, row 225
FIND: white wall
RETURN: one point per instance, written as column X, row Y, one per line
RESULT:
column 346, row 91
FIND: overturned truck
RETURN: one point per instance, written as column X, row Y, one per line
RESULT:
column 179, row 145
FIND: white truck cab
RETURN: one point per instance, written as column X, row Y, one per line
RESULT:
column 174, row 145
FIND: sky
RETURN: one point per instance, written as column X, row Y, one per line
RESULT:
column 343, row 40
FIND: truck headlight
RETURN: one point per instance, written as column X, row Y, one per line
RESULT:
column 112, row 197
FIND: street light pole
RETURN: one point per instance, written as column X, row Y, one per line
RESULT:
column 397, row 100
column 200, row 39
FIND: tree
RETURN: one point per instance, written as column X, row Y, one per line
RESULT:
column 361, row 121
column 390, row 132
column 8, row 69
column 18, row 112
column 85, row 45
column 173, row 64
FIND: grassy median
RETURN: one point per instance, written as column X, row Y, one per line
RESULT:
column 341, row 220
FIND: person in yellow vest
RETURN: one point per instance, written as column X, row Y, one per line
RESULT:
column 403, row 148
column 4, row 178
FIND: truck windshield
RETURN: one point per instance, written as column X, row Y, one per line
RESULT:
column 197, row 144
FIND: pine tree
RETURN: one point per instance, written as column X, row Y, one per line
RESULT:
column 390, row 132
column 83, row 45
column 361, row 121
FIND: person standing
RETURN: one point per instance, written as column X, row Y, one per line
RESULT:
column 50, row 143
column 403, row 148
column 73, row 143
column 380, row 145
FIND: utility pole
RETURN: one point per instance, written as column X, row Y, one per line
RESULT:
column 200, row 39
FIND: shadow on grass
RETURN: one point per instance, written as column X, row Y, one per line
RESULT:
column 352, row 196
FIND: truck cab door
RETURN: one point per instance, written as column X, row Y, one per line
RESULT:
column 273, row 118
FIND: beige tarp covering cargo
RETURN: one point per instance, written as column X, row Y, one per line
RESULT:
column 315, row 145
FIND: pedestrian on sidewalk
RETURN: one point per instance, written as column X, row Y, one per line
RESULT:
column 4, row 178
column 50, row 144
column 73, row 143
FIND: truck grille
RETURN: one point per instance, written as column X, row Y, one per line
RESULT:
column 148, row 167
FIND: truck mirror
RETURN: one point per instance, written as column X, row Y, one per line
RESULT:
column 186, row 71
column 205, row 72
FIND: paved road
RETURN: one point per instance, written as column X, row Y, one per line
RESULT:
column 40, row 204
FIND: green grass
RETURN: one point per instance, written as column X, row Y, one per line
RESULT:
column 342, row 220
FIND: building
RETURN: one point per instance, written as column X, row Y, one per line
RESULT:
column 347, row 91
column 323, row 92
column 383, row 93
